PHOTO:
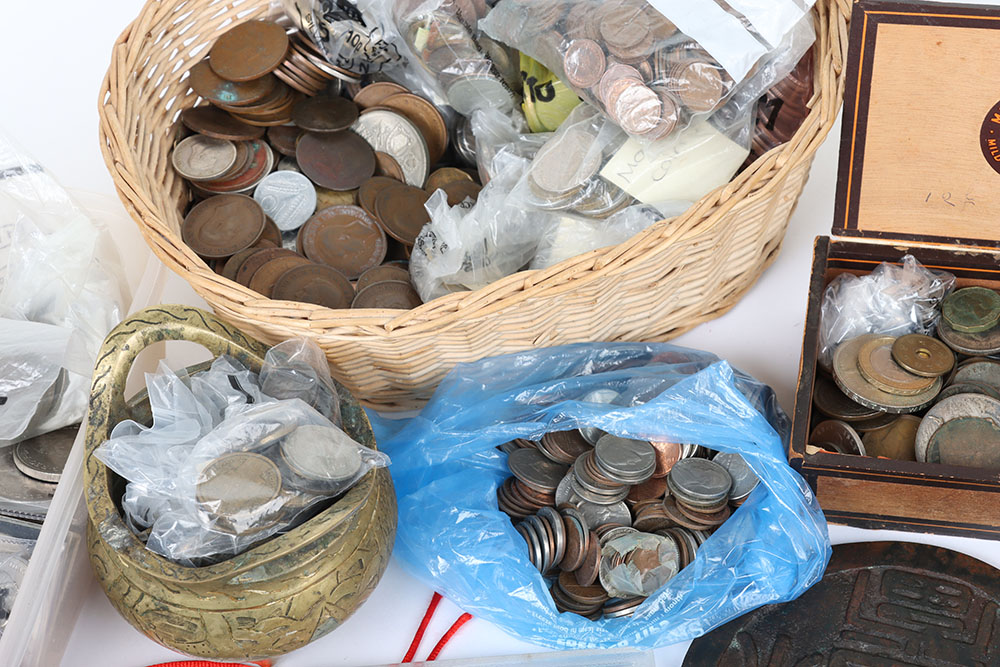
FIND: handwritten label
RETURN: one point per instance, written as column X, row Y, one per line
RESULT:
column 953, row 200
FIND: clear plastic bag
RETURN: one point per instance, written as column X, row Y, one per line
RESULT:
column 446, row 468
column 61, row 291
column 893, row 299
column 573, row 235
column 653, row 67
column 226, row 465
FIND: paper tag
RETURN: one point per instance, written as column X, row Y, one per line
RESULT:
column 682, row 167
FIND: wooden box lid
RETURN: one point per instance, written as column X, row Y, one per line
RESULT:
column 920, row 144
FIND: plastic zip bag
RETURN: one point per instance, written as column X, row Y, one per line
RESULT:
column 446, row 467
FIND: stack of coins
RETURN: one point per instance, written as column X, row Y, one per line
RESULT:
column 782, row 110
column 334, row 224
column 30, row 470
column 585, row 509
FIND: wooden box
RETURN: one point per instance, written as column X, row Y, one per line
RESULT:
column 919, row 174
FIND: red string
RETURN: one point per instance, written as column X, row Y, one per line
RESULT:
column 435, row 599
column 462, row 620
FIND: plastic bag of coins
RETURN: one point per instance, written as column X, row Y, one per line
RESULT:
column 233, row 458
column 604, row 492
column 286, row 172
column 651, row 67
column 17, row 542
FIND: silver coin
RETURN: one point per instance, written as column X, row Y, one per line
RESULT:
column 600, row 498
column 534, row 548
column 615, row 533
column 953, row 407
column 464, row 141
column 558, row 532
column 839, row 435
column 479, row 91
column 668, row 555
column 566, row 162
column 536, row 525
column 630, row 460
column 394, row 134
column 700, row 480
column 595, row 515
column 606, row 396
column 985, row 372
column 322, row 453
column 565, row 493
column 288, row 164
column 288, row 197
column 745, row 479
column 533, row 469
column 201, row 158
column 44, row 457
column 16, row 487
column 627, row 611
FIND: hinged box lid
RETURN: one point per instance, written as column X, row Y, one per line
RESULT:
column 920, row 145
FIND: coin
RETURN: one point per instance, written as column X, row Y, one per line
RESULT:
column 233, row 264
column 479, row 91
column 323, row 454
column 745, row 480
column 587, row 573
column 252, row 264
column 426, row 117
column 223, row 225
column 289, row 198
column 201, row 158
column 373, row 94
column 209, row 85
column 530, row 467
column 699, row 481
column 955, row 389
column 564, row 446
column 460, row 191
column 445, row 175
column 985, row 371
column 894, row 442
column 262, row 159
column 239, row 489
column 284, row 139
column 216, row 123
column 391, row 294
column 832, row 402
column 635, row 106
column 18, row 490
column 923, row 355
column 344, row 237
column 584, row 63
column 264, row 278
column 370, row 189
column 598, row 515
column 386, row 165
column 382, row 273
column 971, row 310
column 401, row 210
column 954, row 407
column 44, row 456
column 566, row 162
column 630, row 460
column 966, row 441
column 878, row 367
column 675, row 515
column 850, row 380
column 839, row 436
column 249, row 50
column 394, row 134
column 972, row 344
column 325, row 113
column 698, row 84
column 338, row 161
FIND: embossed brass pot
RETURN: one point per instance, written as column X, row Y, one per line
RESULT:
column 266, row 601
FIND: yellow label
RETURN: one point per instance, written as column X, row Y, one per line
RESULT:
column 420, row 39
column 547, row 100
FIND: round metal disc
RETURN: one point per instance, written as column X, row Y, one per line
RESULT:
column 878, row 367
column 44, row 456
column 850, row 380
column 534, row 470
column 745, row 479
column 838, row 435
column 971, row 309
column 895, row 441
column 701, row 480
column 923, row 355
column 834, row 403
column 954, row 407
column 972, row 344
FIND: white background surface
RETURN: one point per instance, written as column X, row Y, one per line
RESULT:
column 53, row 63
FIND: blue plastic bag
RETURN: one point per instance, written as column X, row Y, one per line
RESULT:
column 446, row 469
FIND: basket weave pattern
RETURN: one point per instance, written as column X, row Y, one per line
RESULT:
column 662, row 282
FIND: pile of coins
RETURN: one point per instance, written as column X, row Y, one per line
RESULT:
column 600, row 513
column 334, row 224
column 882, row 383
column 782, row 110
column 30, row 470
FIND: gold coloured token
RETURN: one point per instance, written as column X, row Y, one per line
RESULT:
column 850, row 380
column 923, row 355
column 878, row 367
column 895, row 441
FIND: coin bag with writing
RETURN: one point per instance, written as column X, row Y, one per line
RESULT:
column 893, row 300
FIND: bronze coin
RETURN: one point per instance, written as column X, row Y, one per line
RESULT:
column 699, row 85
column 402, row 213
column 271, row 233
column 206, row 83
column 426, row 117
column 338, row 161
column 249, row 50
column 260, row 166
column 373, row 94
column 443, row 176
column 370, row 189
column 267, row 275
column 283, row 138
column 390, row 294
column 386, row 165
column 667, row 454
column 344, row 237
column 459, row 191
column 674, row 513
column 923, row 355
column 325, row 113
column 576, row 544
column 250, row 266
column 216, row 123
column 566, row 446
column 223, row 225
column 587, row 573
column 716, row 518
column 879, row 368
column 895, row 442
column 380, row 274
column 834, row 403
column 314, row 283
column 233, row 264
column 592, row 594
column 584, row 63
column 652, row 488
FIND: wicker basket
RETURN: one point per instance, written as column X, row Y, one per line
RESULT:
column 662, row 282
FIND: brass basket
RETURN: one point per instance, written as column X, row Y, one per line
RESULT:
column 655, row 286
column 267, row 601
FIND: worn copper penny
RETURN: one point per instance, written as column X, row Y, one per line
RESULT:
column 394, row 294
column 587, row 573
column 584, row 63
column 652, row 488
column 636, row 107
column 459, row 191
column 252, row 264
column 833, row 402
column 838, row 436
column 678, row 517
column 971, row 310
column 249, row 50
column 271, row 233
column 380, row 274
column 344, row 237
column 284, row 138
column 612, row 76
column 878, row 367
column 370, row 189
column 214, row 122
column 699, row 85
column 325, row 113
column 214, row 88
column 314, row 283
column 923, row 355
column 266, row 276
column 402, row 213
column 895, row 441
column 338, row 161
column 576, row 544
column 667, row 454
column 373, row 94
column 386, row 165
column 426, row 117
column 445, row 175
column 221, row 226
column 233, row 264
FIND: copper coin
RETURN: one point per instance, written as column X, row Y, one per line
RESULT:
column 612, row 77
column 271, row 232
column 283, row 138
column 402, row 213
column 592, row 594
column 216, row 123
column 584, row 63
column 250, row 266
column 325, row 113
column 338, row 161
column 233, row 264
column 674, row 514
column 654, row 487
column 206, row 83
column 249, row 51
column 443, row 176
column 386, row 165
column 576, row 544
column 459, row 191
column 667, row 454
column 260, row 166
column 380, row 274
column 344, row 237
column 267, row 275
column 635, row 106
column 392, row 294
column 221, row 226
column 716, row 518
column 314, row 283
column 699, row 85
column 373, row 94
column 923, row 355
column 587, row 573
column 895, row 442
column 370, row 189
column 833, row 402
column 426, row 117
